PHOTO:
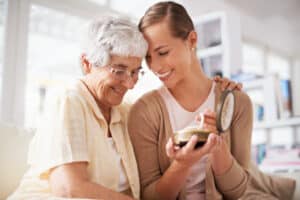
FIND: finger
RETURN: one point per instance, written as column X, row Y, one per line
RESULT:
column 209, row 145
column 225, row 83
column 217, row 78
column 209, row 114
column 210, row 128
column 232, row 86
column 170, row 148
column 223, row 140
column 199, row 117
column 240, row 86
column 219, row 143
column 210, row 121
column 190, row 146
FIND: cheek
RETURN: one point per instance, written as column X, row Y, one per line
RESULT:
column 183, row 59
column 103, row 87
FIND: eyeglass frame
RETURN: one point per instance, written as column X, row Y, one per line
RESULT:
column 114, row 70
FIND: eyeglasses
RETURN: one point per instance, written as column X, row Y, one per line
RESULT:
column 123, row 74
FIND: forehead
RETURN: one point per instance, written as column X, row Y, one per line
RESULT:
column 159, row 34
column 129, row 62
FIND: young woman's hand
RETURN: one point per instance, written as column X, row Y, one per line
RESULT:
column 228, row 84
column 187, row 155
column 221, row 157
column 207, row 121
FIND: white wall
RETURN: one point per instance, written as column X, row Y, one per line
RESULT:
column 273, row 31
column 296, row 86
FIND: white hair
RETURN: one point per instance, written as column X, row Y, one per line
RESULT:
column 112, row 35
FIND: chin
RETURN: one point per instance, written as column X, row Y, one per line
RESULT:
column 116, row 102
column 171, row 84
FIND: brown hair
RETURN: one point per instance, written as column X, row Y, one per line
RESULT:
column 180, row 23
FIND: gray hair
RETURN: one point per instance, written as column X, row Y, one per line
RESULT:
column 112, row 35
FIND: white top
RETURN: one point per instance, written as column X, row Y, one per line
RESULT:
column 123, row 181
column 181, row 118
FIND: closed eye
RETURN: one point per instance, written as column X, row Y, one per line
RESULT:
column 163, row 53
column 136, row 71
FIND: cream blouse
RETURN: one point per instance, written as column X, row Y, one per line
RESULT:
column 74, row 129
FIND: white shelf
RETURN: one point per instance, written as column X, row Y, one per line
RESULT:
column 253, row 84
column 215, row 16
column 280, row 169
column 219, row 42
column 211, row 51
column 278, row 123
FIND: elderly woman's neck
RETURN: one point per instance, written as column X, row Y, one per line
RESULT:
column 105, row 109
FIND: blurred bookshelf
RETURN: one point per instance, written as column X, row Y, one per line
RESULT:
column 219, row 43
column 294, row 121
column 274, row 112
column 269, row 80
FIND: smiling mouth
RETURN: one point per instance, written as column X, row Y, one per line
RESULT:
column 119, row 91
column 164, row 75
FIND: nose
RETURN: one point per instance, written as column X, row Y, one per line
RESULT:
column 155, row 65
column 129, row 83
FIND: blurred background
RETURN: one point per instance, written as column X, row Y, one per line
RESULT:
column 253, row 42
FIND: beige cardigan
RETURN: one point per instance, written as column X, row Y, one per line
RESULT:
column 150, row 128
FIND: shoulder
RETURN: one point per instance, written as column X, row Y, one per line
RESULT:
column 149, row 101
column 242, row 100
column 242, row 96
column 149, row 108
column 60, row 98
column 124, row 108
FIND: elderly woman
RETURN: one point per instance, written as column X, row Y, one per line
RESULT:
column 83, row 149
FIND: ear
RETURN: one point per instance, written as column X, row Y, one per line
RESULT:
column 85, row 64
column 192, row 39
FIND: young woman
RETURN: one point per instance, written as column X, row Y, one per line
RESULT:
column 218, row 170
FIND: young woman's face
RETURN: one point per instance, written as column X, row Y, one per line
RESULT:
column 168, row 57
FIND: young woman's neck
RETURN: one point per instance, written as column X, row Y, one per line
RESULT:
column 191, row 92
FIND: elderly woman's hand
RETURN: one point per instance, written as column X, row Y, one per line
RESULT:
column 228, row 84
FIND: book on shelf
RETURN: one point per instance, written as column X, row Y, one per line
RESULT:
column 286, row 96
column 283, row 97
column 281, row 159
column 270, row 95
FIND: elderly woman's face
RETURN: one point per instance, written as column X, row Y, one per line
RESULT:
column 111, row 82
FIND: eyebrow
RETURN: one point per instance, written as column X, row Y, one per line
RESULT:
column 160, row 47
column 120, row 65
column 126, row 67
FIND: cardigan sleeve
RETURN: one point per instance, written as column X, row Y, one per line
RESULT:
column 234, row 182
column 143, row 129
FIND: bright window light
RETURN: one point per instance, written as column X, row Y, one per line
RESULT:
column 53, row 57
